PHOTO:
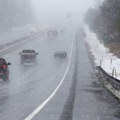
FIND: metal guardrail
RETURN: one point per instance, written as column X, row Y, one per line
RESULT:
column 106, row 78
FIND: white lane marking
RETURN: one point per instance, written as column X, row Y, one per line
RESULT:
column 37, row 110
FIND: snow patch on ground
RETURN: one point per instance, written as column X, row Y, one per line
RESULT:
column 108, row 61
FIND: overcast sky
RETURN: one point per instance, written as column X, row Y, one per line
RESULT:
column 63, row 5
column 45, row 8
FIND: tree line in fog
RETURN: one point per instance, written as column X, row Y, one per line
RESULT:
column 104, row 20
column 15, row 13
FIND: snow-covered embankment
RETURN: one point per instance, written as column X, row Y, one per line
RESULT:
column 108, row 62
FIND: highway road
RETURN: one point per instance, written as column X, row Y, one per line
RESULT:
column 55, row 89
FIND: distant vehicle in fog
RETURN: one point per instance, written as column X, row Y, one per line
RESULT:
column 4, row 70
column 60, row 54
column 28, row 56
column 52, row 33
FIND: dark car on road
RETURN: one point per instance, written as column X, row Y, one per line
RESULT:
column 60, row 54
column 28, row 56
column 4, row 71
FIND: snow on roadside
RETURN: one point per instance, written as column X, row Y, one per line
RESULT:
column 103, row 57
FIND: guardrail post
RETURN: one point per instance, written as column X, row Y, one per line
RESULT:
column 101, row 62
column 114, row 72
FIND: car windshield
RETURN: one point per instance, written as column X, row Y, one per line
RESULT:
column 59, row 59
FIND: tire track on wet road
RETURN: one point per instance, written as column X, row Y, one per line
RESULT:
column 67, row 113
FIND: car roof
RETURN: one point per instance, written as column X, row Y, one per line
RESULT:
column 60, row 51
column 2, row 61
column 28, row 51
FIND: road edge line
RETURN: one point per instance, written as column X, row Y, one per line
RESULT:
column 37, row 110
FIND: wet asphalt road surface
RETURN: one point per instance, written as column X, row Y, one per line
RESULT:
column 30, row 85
column 80, row 97
column 92, row 101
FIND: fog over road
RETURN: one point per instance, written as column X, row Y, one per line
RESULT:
column 80, row 96
column 31, row 85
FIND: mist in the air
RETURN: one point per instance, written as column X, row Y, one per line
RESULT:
column 61, row 11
